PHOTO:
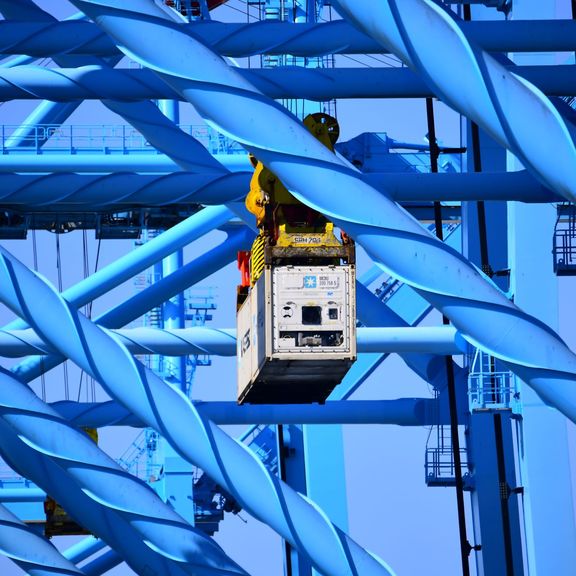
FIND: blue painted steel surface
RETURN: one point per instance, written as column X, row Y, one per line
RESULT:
column 105, row 499
column 126, row 87
column 484, row 90
column 30, row 551
column 498, row 525
column 385, row 231
column 22, row 495
column 401, row 412
column 102, row 564
column 222, row 341
column 545, row 465
column 305, row 39
column 84, row 549
column 165, row 409
column 71, row 191
column 547, row 365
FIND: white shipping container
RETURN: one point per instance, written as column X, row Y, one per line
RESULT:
column 296, row 334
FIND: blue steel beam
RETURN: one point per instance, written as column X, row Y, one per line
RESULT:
column 318, row 84
column 163, row 408
column 30, row 551
column 42, row 39
column 84, row 549
column 103, row 497
column 400, row 412
column 95, row 192
column 155, row 163
column 222, row 341
column 102, row 564
column 427, row 38
column 324, row 181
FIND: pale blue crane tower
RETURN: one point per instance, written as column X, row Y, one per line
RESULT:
column 517, row 464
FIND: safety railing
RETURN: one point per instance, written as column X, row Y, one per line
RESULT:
column 100, row 138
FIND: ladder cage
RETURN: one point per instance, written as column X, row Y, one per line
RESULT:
column 564, row 242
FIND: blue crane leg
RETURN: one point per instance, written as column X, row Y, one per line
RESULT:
column 201, row 442
column 101, row 192
column 326, row 183
column 110, row 502
column 546, row 469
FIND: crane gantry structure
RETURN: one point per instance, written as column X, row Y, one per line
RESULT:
column 474, row 231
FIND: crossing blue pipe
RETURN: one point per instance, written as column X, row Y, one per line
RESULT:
column 401, row 412
column 97, row 192
column 84, row 549
column 163, row 408
column 222, row 341
column 155, row 295
column 134, row 262
column 22, row 495
column 104, row 498
column 438, row 273
column 62, row 192
column 146, row 163
column 318, row 84
column 105, row 562
column 30, row 551
column 239, row 40
column 427, row 38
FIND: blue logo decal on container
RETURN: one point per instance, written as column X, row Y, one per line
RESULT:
column 310, row 281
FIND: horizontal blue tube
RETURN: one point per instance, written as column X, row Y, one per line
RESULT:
column 22, row 495
column 319, row 84
column 96, row 192
column 222, row 341
column 401, row 412
column 84, row 549
column 42, row 39
column 102, row 564
column 143, row 163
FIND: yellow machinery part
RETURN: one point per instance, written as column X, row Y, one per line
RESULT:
column 257, row 258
